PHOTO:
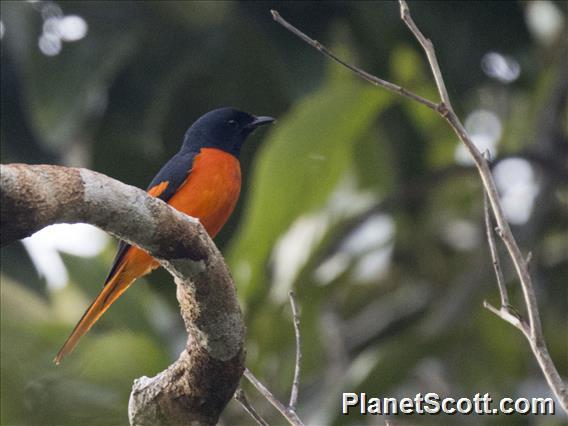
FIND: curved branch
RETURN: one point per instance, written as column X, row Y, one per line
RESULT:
column 195, row 388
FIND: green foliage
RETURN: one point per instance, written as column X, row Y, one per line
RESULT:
column 299, row 166
column 343, row 157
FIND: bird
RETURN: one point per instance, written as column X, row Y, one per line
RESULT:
column 202, row 180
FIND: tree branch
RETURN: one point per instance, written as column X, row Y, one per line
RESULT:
column 242, row 399
column 494, row 254
column 484, row 172
column 296, row 382
column 361, row 73
column 195, row 388
column 287, row 412
column 429, row 50
column 445, row 110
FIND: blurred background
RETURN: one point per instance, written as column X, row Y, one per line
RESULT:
column 362, row 202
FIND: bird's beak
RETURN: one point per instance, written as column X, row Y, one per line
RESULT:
column 260, row 121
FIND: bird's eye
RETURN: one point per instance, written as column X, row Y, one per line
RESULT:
column 232, row 123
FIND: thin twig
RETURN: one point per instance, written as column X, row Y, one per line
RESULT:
column 508, row 315
column 430, row 53
column 534, row 332
column 494, row 253
column 287, row 412
column 485, row 175
column 538, row 347
column 242, row 399
column 395, row 88
column 296, row 383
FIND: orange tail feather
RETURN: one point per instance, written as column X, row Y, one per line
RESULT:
column 136, row 264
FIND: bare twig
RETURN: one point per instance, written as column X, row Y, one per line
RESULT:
column 484, row 172
column 287, row 412
column 361, row 73
column 485, row 175
column 508, row 315
column 429, row 50
column 534, row 331
column 241, row 397
column 296, row 382
column 494, row 254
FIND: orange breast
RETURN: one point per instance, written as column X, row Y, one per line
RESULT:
column 212, row 189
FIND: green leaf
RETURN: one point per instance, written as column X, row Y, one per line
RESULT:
column 300, row 164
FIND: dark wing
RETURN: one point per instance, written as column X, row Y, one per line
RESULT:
column 175, row 172
column 164, row 185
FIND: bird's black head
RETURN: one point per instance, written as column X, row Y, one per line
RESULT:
column 223, row 128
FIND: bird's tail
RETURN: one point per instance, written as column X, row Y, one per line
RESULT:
column 135, row 264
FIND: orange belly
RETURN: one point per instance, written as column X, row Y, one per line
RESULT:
column 212, row 189
column 209, row 194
